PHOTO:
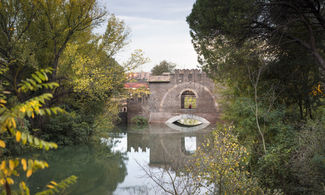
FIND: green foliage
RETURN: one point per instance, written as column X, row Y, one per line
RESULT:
column 136, row 59
column 270, row 60
column 93, row 73
column 86, row 119
column 115, row 37
column 220, row 163
column 162, row 67
column 107, row 120
column 234, row 45
column 55, row 188
column 241, row 112
column 40, row 37
column 280, row 24
column 8, row 126
column 307, row 159
column 43, row 43
column 91, row 163
column 139, row 121
column 66, row 129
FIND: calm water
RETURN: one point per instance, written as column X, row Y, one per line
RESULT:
column 116, row 166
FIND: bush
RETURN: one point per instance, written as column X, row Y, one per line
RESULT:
column 66, row 129
column 139, row 120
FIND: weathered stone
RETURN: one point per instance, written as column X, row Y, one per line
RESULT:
column 164, row 101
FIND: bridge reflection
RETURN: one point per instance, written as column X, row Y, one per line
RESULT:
column 173, row 149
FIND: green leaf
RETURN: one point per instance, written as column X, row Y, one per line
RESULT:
column 36, row 78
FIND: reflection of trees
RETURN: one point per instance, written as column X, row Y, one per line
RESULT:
column 98, row 171
column 170, row 181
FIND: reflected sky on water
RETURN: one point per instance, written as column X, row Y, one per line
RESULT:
column 113, row 167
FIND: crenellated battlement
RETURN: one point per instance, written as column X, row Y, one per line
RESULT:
column 189, row 75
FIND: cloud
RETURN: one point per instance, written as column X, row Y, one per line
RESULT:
column 158, row 28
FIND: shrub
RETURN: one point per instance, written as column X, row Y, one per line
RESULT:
column 66, row 129
column 139, row 120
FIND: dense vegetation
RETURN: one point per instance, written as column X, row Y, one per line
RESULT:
column 59, row 35
column 269, row 55
column 58, row 80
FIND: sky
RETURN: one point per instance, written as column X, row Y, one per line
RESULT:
column 158, row 27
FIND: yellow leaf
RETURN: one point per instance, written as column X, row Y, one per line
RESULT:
column 11, row 164
column 318, row 89
column 3, row 165
column 2, row 144
column 33, row 115
column 18, row 136
column 29, row 173
column 50, row 186
column 24, row 163
column 2, row 181
column 22, row 109
column 53, row 182
column 13, row 122
column 10, row 181
column 23, row 185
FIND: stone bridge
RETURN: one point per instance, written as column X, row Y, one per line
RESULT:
column 185, row 92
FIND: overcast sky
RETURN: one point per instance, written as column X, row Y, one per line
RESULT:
column 158, row 27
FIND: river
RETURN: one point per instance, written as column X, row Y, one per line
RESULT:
column 116, row 166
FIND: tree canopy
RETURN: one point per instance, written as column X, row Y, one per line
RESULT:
column 278, row 22
column 59, row 35
column 269, row 58
column 162, row 67
column 236, row 38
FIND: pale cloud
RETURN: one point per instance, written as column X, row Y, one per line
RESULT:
column 159, row 28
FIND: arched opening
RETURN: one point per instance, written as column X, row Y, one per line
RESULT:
column 187, row 122
column 188, row 100
column 177, row 123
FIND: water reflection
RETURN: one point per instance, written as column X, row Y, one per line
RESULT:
column 113, row 167
column 98, row 171
column 190, row 144
column 172, row 148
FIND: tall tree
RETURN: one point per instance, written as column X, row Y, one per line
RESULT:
column 276, row 21
column 290, row 35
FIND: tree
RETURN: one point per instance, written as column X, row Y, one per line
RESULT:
column 34, row 34
column 162, row 67
column 269, row 56
column 278, row 22
column 59, row 34
column 115, row 37
column 282, row 28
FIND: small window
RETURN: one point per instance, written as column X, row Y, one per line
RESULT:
column 180, row 79
column 190, row 77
